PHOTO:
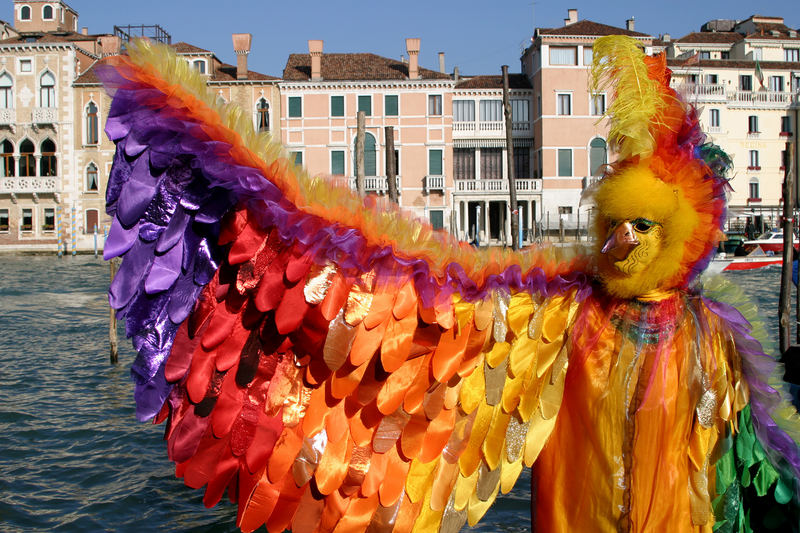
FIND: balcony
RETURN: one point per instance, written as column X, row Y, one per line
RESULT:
column 482, row 186
column 8, row 117
column 703, row 92
column 489, row 128
column 761, row 99
column 375, row 184
column 44, row 115
column 28, row 185
column 434, row 183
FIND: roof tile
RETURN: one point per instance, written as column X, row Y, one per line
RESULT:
column 356, row 66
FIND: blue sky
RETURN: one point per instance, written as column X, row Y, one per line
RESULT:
column 475, row 36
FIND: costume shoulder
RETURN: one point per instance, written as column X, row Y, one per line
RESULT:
column 328, row 361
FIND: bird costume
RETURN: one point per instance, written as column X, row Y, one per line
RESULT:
column 335, row 365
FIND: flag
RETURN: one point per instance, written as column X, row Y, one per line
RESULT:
column 693, row 60
column 759, row 74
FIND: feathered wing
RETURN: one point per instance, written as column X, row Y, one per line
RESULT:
column 333, row 366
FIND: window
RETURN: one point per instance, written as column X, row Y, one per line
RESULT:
column 262, row 115
column 563, row 55
column 4, row 220
column 754, row 192
column 27, row 219
column 337, row 162
column 25, row 65
column 365, row 104
column 464, row 163
column 7, row 167
column 47, row 13
column 713, row 118
column 390, row 108
column 564, row 104
column 397, row 162
column 754, row 161
column 25, row 13
column 49, row 219
column 27, row 164
column 745, row 82
column 587, row 55
column 435, row 104
column 47, row 162
column 91, row 221
column 597, row 104
column 337, row 106
column 491, row 163
column 6, row 92
column 47, row 90
column 295, row 107
column 522, row 163
column 91, row 124
column 437, row 218
column 598, row 156
column 520, row 111
column 711, row 79
column 92, row 183
column 296, row 157
column 705, row 54
column 795, row 84
column 776, row 83
column 565, row 210
column 199, row 65
column 752, row 124
column 491, row 110
column 463, row 111
column 435, row 162
column 791, row 54
column 370, row 155
column 786, row 126
column 725, row 54
column 564, row 162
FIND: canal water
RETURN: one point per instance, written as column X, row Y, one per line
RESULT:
column 73, row 457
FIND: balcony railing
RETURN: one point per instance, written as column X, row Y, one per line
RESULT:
column 483, row 186
column 495, row 127
column 7, row 117
column 761, row 98
column 44, row 115
column 434, row 183
column 28, row 185
column 376, row 184
column 703, row 91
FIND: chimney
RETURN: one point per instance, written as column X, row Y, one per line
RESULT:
column 315, row 50
column 412, row 47
column 456, row 74
column 110, row 45
column 84, row 31
column 629, row 24
column 241, row 47
column 667, row 38
column 441, row 62
column 572, row 17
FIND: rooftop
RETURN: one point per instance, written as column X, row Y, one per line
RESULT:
column 356, row 66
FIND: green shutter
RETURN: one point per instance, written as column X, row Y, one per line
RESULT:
column 337, row 163
column 435, row 162
column 437, row 219
column 390, row 103
column 295, row 107
column 337, row 106
column 297, row 157
column 370, row 156
column 564, row 162
column 365, row 105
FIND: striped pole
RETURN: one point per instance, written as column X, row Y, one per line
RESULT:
column 74, row 231
column 95, row 241
column 58, row 231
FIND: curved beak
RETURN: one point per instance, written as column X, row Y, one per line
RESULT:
column 621, row 241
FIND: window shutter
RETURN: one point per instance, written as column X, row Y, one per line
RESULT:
column 565, row 162
column 390, row 103
column 365, row 104
column 337, row 163
column 295, row 107
column 337, row 106
column 435, row 162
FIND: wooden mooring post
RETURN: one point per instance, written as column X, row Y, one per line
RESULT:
column 790, row 353
column 112, row 322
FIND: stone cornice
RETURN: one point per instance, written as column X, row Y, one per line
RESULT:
column 366, row 84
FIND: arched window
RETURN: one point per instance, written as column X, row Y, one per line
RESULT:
column 47, row 13
column 27, row 163
column 7, row 168
column 92, row 183
column 370, row 155
column 200, row 65
column 25, row 13
column 598, row 155
column 91, row 124
column 47, row 162
column 263, row 115
column 6, row 91
column 47, row 90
